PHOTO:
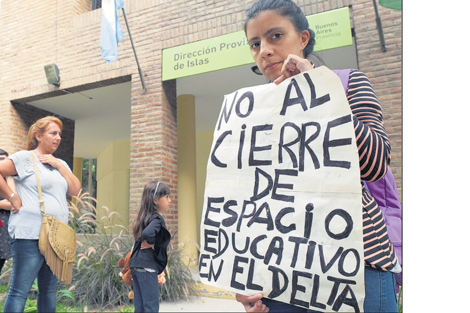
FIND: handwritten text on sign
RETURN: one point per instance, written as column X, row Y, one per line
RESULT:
column 282, row 205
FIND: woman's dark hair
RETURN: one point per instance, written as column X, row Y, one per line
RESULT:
column 287, row 9
column 154, row 190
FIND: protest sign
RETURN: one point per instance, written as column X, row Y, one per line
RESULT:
column 282, row 209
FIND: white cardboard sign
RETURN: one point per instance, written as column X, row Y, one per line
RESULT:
column 282, row 209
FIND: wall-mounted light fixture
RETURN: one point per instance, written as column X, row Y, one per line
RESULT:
column 52, row 74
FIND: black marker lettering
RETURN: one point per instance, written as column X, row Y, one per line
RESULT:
column 254, row 148
column 249, row 282
column 247, row 244
column 313, row 95
column 287, row 145
column 256, row 194
column 341, row 263
column 327, row 143
column 288, row 101
column 212, row 273
column 342, row 298
column 203, row 264
column 240, row 147
column 210, row 200
column 305, row 144
column 296, row 287
column 214, row 159
column 347, row 218
column 277, row 185
column 308, row 220
column 251, row 101
column 253, row 247
column 242, row 216
column 280, row 227
column 326, row 267
column 310, row 254
column 224, row 114
column 229, row 221
column 316, row 287
column 268, row 220
column 237, row 269
column 221, row 250
column 208, row 240
column 277, row 290
column 297, row 241
column 275, row 247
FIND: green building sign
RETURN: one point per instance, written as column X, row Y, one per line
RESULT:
column 332, row 30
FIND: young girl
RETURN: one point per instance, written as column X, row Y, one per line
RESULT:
column 149, row 257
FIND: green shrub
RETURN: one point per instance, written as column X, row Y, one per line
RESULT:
column 400, row 300
column 96, row 282
column 96, row 275
column 96, row 278
column 179, row 282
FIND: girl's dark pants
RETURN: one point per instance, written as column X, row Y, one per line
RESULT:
column 146, row 290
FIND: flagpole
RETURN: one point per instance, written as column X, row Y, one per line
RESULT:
column 138, row 66
column 378, row 21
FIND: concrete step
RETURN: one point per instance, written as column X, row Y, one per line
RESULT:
column 204, row 290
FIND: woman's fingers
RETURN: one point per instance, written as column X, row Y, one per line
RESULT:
column 279, row 80
column 16, row 204
column 293, row 65
column 49, row 159
column 252, row 303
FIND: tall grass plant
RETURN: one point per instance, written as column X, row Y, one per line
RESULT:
column 102, row 241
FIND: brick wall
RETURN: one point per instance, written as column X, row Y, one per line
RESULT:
column 36, row 33
column 384, row 69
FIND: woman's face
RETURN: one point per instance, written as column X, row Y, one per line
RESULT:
column 49, row 141
column 272, row 38
column 164, row 204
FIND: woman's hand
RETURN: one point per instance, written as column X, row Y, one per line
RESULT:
column 16, row 204
column 293, row 65
column 252, row 303
column 73, row 184
column 49, row 159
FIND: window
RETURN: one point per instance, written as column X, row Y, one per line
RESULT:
column 95, row 4
column 89, row 177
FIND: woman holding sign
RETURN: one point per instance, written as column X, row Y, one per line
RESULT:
column 281, row 41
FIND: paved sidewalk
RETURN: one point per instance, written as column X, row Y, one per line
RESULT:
column 202, row 304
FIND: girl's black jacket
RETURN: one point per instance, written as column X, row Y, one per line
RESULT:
column 157, row 234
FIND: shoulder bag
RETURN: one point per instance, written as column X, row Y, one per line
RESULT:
column 57, row 241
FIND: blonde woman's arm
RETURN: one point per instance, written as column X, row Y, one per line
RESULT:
column 5, row 204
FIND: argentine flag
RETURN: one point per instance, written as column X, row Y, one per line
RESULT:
column 111, row 31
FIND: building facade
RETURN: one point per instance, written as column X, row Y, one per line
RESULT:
column 139, row 135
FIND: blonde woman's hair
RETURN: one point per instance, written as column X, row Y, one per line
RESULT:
column 39, row 128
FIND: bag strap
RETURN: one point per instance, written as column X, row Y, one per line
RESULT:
column 41, row 201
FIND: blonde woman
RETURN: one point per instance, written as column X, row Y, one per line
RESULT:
column 25, row 222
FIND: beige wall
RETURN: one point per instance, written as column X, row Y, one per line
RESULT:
column 187, row 227
column 203, row 147
column 77, row 170
column 113, row 180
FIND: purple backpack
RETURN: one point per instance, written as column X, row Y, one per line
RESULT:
column 385, row 194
